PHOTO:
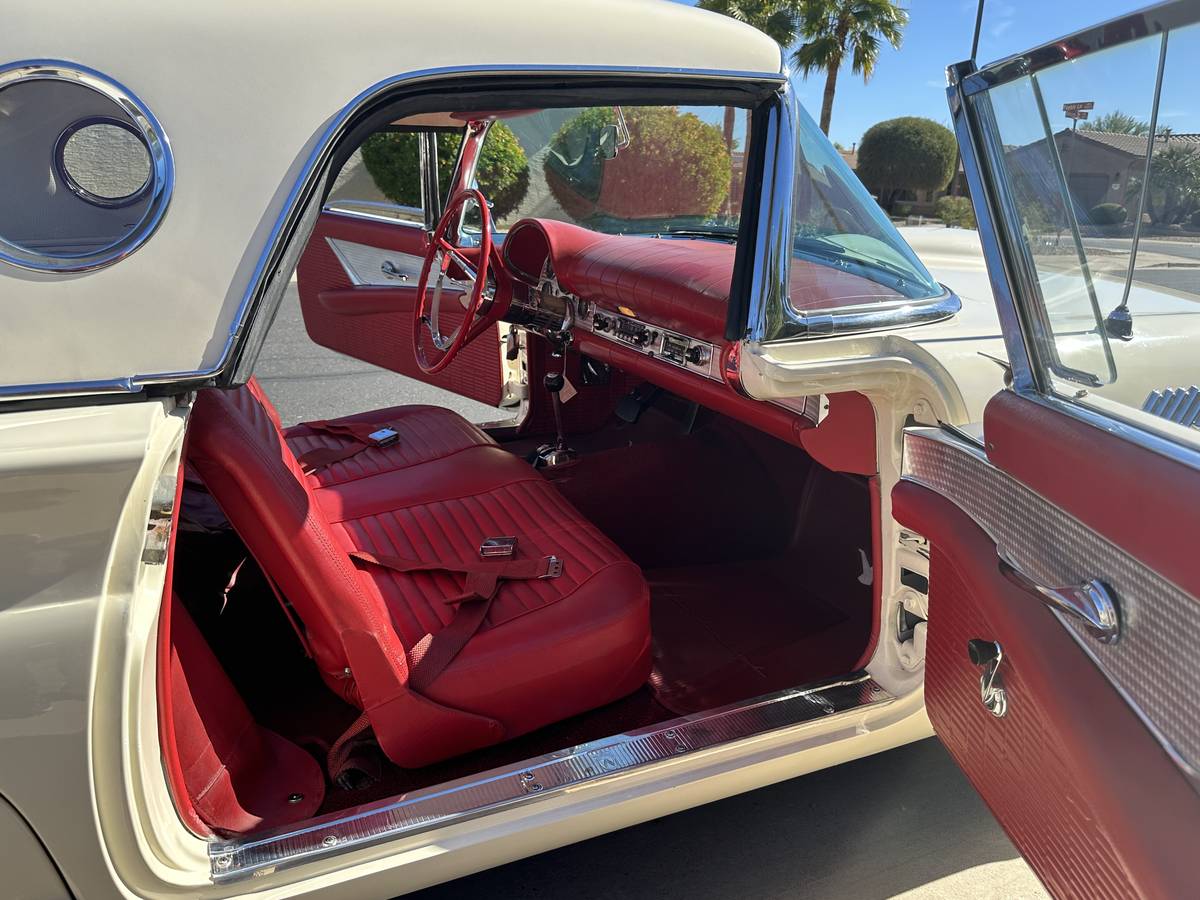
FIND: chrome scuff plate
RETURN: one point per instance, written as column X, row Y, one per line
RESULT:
column 535, row 778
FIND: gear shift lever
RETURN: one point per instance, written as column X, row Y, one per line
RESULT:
column 558, row 453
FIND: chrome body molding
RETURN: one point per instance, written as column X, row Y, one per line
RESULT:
column 1160, row 624
column 159, row 188
column 538, row 778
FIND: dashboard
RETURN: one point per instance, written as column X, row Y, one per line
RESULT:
column 653, row 307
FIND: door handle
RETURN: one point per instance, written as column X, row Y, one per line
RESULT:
column 390, row 269
column 1092, row 602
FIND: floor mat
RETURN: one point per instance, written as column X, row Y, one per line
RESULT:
column 724, row 633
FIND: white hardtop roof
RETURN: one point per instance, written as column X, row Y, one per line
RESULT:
column 244, row 91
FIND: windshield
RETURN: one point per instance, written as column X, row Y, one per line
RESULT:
column 837, row 224
column 665, row 170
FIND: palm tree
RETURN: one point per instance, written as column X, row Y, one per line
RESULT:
column 833, row 29
column 1117, row 122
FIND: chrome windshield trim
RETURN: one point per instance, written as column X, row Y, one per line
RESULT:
column 160, row 184
column 867, row 317
column 771, row 266
column 537, row 779
column 1121, row 30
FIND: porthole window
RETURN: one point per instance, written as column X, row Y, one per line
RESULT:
column 104, row 161
column 85, row 170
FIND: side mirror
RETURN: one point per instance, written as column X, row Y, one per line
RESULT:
column 610, row 139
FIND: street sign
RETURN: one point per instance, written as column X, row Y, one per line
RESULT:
column 1069, row 108
column 1077, row 114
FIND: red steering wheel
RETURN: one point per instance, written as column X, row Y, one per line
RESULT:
column 479, row 286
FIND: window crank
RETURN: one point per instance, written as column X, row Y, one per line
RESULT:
column 989, row 655
column 390, row 269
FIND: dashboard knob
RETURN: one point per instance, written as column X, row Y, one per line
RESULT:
column 698, row 355
column 600, row 323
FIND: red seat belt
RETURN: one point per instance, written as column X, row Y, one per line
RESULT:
column 434, row 652
column 362, row 435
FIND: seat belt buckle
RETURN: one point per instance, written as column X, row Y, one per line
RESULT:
column 554, row 567
column 383, row 437
column 494, row 547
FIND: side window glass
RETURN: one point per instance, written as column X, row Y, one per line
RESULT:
column 383, row 177
column 1099, row 165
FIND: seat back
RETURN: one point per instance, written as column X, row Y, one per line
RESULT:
column 237, row 447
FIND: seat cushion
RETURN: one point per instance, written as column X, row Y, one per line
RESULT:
column 426, row 433
column 548, row 648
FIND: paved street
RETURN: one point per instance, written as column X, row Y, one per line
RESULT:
column 902, row 824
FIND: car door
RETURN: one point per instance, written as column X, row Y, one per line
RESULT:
column 1064, row 611
column 357, row 277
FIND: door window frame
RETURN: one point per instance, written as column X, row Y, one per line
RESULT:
column 1011, row 272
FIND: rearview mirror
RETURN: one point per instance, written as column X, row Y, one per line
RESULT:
column 610, row 138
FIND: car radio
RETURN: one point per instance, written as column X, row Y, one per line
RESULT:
column 679, row 349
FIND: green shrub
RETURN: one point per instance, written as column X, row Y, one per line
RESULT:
column 393, row 160
column 955, row 211
column 908, row 153
column 676, row 165
column 1109, row 214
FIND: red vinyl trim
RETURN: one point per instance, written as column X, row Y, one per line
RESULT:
column 1077, row 781
column 716, row 395
column 172, row 767
column 877, row 565
column 845, row 439
column 1103, row 480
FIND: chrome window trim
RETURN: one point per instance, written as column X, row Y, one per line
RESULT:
column 1010, row 275
column 335, row 206
column 772, row 315
column 161, row 182
column 1112, row 33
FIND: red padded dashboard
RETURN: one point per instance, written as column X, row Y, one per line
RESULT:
column 678, row 283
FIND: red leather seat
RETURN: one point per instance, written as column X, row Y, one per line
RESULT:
column 547, row 649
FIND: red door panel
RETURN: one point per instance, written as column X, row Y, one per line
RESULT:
column 373, row 322
column 1073, row 464
column 1081, row 786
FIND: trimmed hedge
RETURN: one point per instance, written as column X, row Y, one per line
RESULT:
column 676, row 165
column 908, row 153
column 955, row 211
column 393, row 160
column 1108, row 214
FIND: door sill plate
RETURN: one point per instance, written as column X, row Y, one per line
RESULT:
column 536, row 778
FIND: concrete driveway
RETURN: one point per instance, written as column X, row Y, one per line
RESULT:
column 902, row 824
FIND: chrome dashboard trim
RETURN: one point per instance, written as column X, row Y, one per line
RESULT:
column 160, row 183
column 539, row 778
column 1160, row 622
column 585, row 316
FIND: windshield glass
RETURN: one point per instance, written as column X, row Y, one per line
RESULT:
column 838, row 224
column 667, row 170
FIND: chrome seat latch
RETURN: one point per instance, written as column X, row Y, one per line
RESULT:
column 989, row 655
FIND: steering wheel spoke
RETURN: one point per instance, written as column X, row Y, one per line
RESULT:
column 485, row 299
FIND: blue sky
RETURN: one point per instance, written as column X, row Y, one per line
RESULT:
column 911, row 81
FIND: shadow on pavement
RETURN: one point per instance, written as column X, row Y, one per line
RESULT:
column 868, row 829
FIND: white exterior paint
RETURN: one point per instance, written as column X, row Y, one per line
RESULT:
column 243, row 91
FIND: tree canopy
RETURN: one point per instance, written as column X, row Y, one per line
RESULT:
column 1117, row 122
column 908, row 153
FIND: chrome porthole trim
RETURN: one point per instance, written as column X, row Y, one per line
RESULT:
column 159, row 185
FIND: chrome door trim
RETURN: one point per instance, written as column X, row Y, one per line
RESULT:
column 539, row 778
column 1091, row 602
column 1112, row 33
column 1161, row 622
